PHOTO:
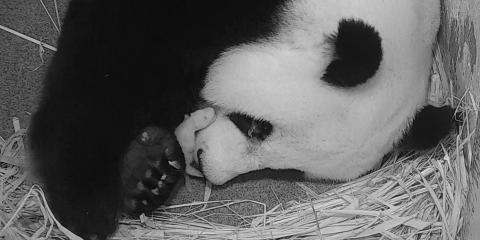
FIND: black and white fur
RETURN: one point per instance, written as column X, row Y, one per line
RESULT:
column 325, row 87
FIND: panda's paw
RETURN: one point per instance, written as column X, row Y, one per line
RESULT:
column 151, row 168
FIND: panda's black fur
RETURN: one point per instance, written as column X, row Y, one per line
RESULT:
column 124, row 65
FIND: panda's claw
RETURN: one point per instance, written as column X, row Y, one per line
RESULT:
column 175, row 164
column 151, row 168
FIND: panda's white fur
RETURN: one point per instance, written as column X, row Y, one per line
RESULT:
column 325, row 131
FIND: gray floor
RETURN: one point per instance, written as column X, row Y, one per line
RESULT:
column 21, row 65
column 22, row 69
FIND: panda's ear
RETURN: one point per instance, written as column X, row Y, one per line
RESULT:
column 357, row 53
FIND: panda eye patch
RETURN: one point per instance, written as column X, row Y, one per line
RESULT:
column 251, row 127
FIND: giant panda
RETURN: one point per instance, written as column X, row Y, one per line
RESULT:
column 324, row 87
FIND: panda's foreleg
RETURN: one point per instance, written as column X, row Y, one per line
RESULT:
column 95, row 162
column 429, row 126
column 99, row 94
column 77, row 161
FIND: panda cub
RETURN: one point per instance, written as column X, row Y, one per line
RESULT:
column 324, row 87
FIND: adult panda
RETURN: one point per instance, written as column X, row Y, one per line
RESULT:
column 325, row 87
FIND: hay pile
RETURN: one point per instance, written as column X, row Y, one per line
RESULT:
column 413, row 196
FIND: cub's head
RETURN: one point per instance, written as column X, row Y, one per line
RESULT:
column 328, row 94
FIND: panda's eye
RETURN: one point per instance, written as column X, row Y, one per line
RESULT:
column 251, row 127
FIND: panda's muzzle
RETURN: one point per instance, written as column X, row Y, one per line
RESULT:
column 222, row 150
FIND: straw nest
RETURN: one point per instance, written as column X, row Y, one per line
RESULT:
column 413, row 196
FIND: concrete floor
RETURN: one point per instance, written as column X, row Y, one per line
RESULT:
column 21, row 65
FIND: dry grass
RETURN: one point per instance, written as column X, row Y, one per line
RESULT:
column 414, row 196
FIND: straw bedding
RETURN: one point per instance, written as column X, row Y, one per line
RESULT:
column 413, row 196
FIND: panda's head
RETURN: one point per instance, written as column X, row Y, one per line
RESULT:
column 328, row 94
